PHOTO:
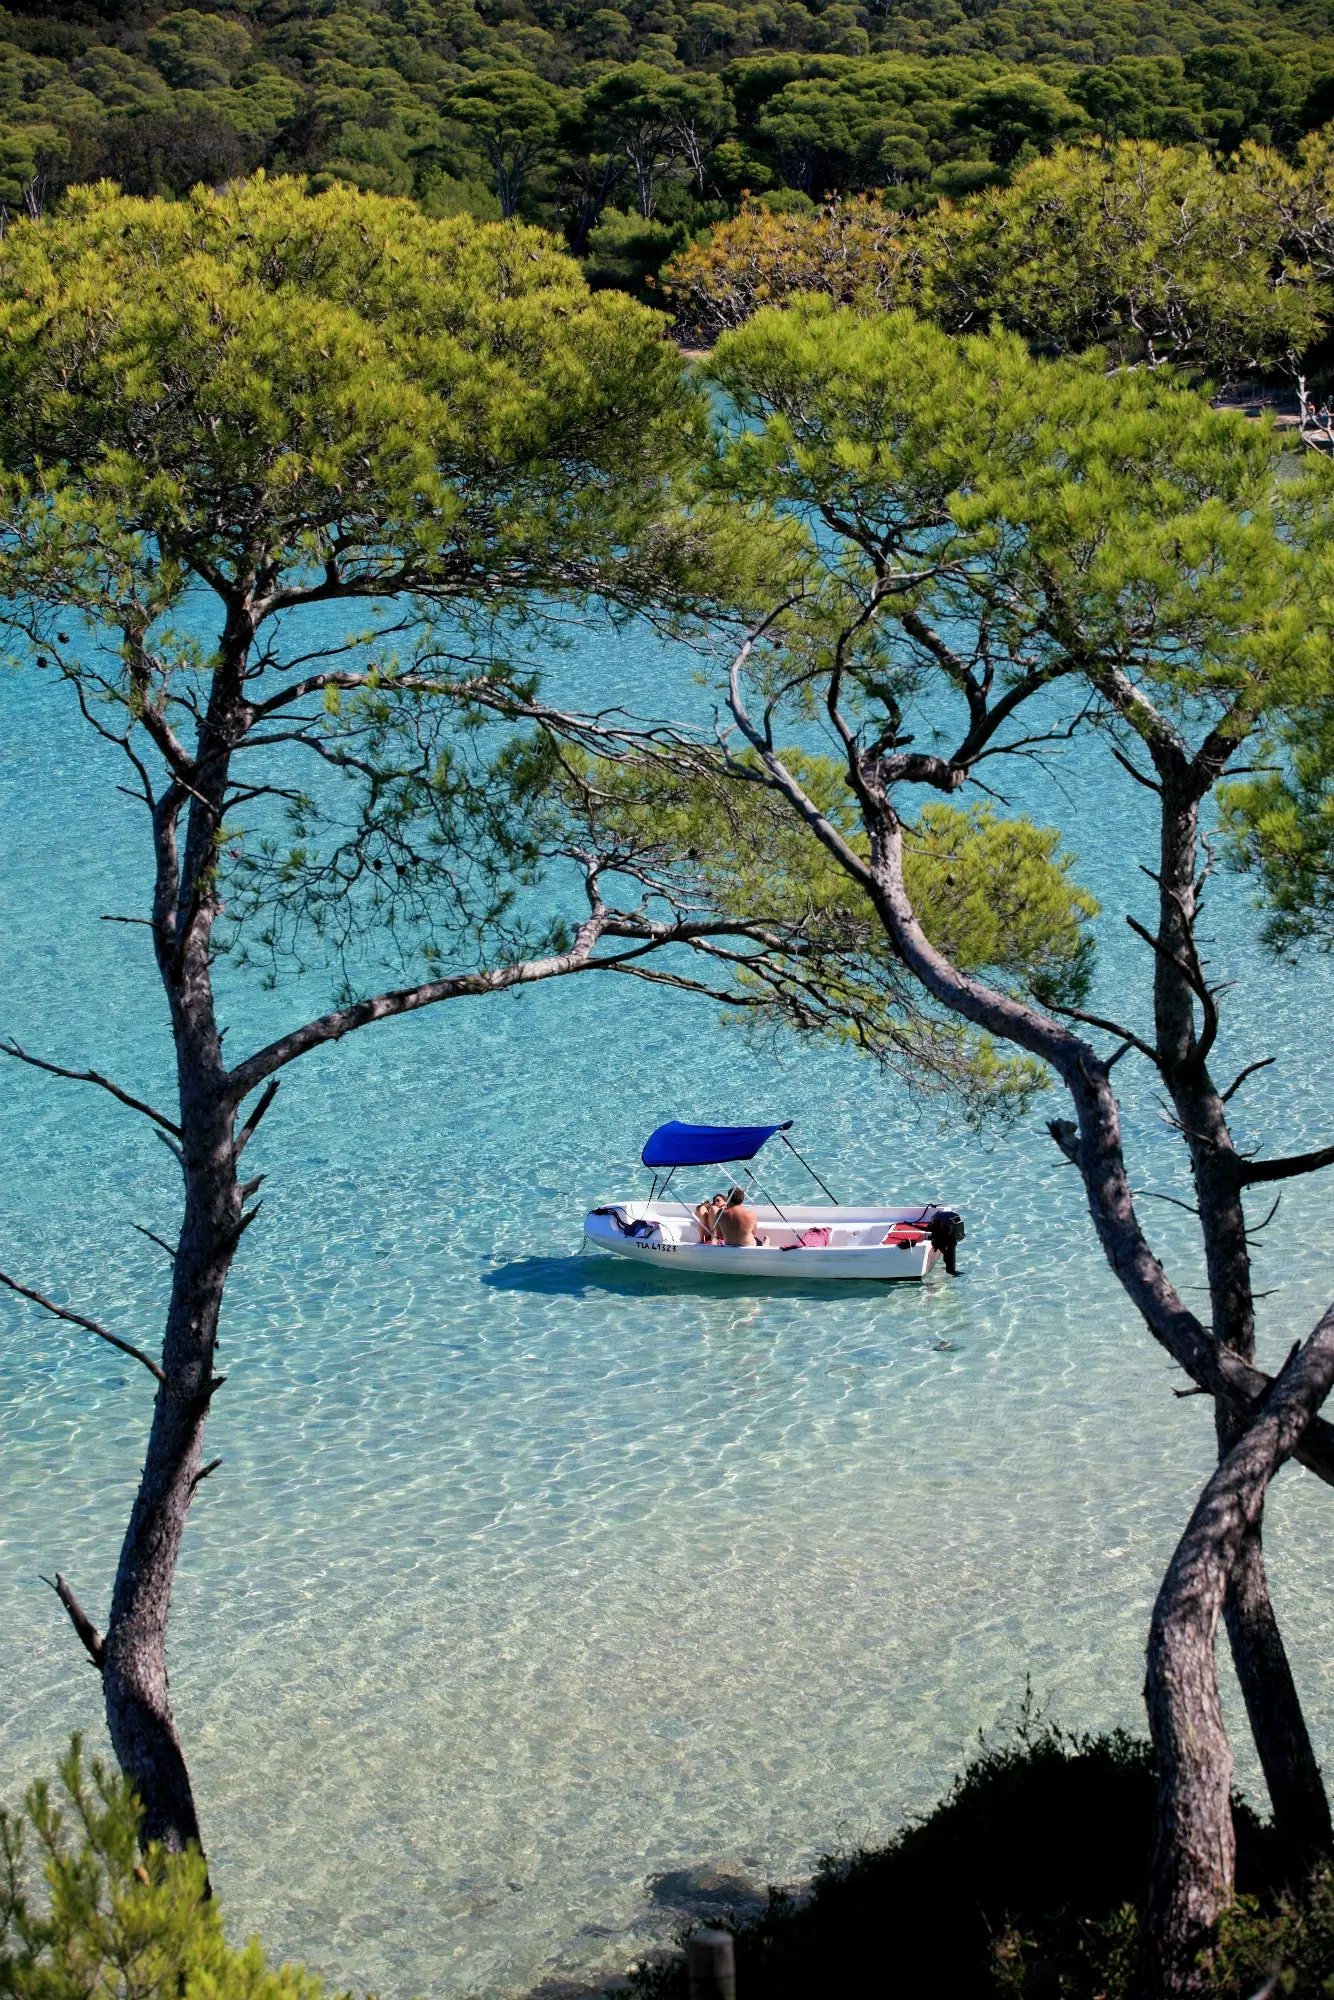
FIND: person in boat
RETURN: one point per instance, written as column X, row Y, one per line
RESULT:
column 706, row 1215
column 734, row 1223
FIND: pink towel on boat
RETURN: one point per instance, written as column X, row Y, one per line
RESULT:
column 810, row 1239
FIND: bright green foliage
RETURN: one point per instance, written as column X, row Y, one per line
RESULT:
column 1153, row 253
column 997, row 894
column 107, row 1923
column 1281, row 827
column 271, row 372
column 290, row 401
column 985, row 527
column 1150, row 252
column 890, row 424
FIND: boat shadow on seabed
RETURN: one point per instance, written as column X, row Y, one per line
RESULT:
column 586, row 1273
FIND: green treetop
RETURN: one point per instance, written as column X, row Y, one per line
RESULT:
column 514, row 117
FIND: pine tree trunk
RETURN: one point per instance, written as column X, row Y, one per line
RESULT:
column 1273, row 1708
column 1194, row 1847
column 134, row 1652
column 1273, row 1705
column 138, row 1708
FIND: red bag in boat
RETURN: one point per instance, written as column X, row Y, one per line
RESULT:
column 904, row 1235
column 810, row 1239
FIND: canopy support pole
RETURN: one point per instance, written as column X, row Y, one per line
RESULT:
column 809, row 1168
column 753, row 1180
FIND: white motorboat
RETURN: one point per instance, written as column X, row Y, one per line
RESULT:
column 794, row 1242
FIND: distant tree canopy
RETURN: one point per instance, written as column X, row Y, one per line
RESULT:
column 667, row 108
column 1153, row 253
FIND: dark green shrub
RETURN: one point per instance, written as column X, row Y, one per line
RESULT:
column 1022, row 1881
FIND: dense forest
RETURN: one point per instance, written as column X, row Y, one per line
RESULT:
column 632, row 129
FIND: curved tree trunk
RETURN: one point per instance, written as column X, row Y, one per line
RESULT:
column 1194, row 1847
column 1273, row 1705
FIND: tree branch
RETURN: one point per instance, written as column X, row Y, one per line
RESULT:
column 1194, row 978
column 601, row 923
column 93, row 1643
column 11, row 1048
column 1094, row 1145
column 247, row 1131
column 1241, row 1077
column 1249, row 1172
column 89, row 1325
column 153, row 1238
column 1194, row 1843
column 781, row 779
column 1097, row 1021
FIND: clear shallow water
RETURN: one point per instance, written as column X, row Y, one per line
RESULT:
column 528, row 1576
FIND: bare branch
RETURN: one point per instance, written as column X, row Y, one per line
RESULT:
column 600, row 923
column 1151, row 1194
column 1130, row 1040
column 1273, row 1211
column 247, row 1131
column 90, row 1325
column 1251, row 1171
column 1194, row 978
column 205, row 1472
column 1249, row 1070
column 93, row 1643
column 781, row 779
column 154, row 1239
column 11, row 1048
column 1132, row 770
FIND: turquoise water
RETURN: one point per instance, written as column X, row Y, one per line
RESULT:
column 527, row 1575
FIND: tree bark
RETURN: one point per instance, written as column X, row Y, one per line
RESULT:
column 1273, row 1705
column 1293, row 1777
column 1194, row 1848
column 138, row 1706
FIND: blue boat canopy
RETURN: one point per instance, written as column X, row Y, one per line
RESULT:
column 677, row 1145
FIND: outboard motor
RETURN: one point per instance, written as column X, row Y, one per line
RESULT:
column 946, row 1232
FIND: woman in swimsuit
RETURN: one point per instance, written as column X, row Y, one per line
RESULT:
column 706, row 1215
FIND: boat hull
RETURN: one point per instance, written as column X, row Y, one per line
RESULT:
column 856, row 1250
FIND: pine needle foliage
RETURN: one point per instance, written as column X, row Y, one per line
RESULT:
column 84, row 1915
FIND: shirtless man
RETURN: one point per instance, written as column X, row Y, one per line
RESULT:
column 735, row 1223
